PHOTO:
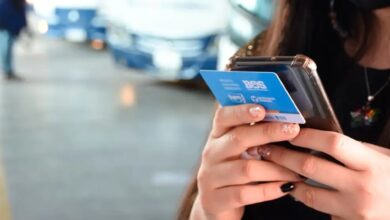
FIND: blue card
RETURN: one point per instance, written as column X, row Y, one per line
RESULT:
column 264, row 88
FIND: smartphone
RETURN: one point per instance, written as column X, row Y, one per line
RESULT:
column 299, row 76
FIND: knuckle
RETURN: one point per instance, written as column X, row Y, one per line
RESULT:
column 336, row 141
column 206, row 154
column 248, row 168
column 366, row 193
column 304, row 133
column 365, row 213
column 242, row 197
column 333, row 149
column 308, row 197
column 205, row 180
column 238, row 112
column 269, row 130
column 201, row 177
column 218, row 117
column 235, row 137
column 264, row 195
column 309, row 165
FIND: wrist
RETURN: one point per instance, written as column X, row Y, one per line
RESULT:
column 197, row 212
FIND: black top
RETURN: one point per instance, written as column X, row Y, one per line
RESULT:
column 351, row 95
column 347, row 93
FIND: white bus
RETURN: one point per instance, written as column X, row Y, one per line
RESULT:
column 74, row 20
column 170, row 39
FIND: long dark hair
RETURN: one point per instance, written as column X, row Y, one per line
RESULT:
column 305, row 27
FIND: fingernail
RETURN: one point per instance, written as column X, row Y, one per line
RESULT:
column 256, row 111
column 264, row 151
column 290, row 128
column 287, row 187
column 253, row 152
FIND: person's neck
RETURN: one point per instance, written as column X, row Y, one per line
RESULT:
column 383, row 18
column 378, row 53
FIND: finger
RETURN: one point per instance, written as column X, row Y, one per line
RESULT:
column 322, row 200
column 227, row 117
column 346, row 150
column 240, row 172
column 241, row 138
column 379, row 149
column 239, row 196
column 321, row 170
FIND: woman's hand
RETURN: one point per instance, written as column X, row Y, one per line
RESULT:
column 361, row 187
column 226, row 181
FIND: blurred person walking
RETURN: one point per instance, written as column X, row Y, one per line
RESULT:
column 12, row 21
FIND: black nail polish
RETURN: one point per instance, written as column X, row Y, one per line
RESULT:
column 288, row 187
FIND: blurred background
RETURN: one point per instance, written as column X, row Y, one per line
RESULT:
column 110, row 116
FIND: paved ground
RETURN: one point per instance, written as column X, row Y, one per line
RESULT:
column 84, row 139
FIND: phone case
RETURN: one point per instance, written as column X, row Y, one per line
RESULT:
column 299, row 75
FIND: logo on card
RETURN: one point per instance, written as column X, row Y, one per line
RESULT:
column 255, row 85
column 237, row 98
column 257, row 99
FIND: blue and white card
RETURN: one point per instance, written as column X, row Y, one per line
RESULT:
column 264, row 88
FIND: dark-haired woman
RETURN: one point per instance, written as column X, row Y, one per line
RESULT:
column 350, row 41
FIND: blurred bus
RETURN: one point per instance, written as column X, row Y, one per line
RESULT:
column 169, row 39
column 73, row 20
column 247, row 19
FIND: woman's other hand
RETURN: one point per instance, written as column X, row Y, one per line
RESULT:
column 226, row 181
column 361, row 187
